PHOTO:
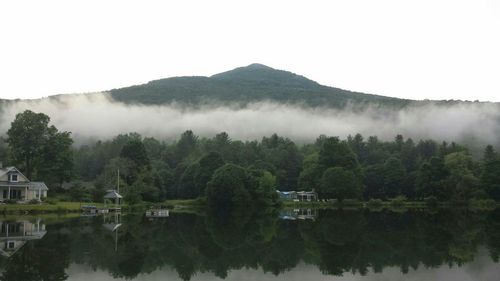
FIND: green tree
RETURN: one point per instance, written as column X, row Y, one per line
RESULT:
column 394, row 177
column 188, row 182
column 263, row 190
column 154, row 148
column 490, row 175
column 228, row 188
column 462, row 181
column 358, row 146
column 55, row 164
column 427, row 149
column 431, row 179
column 374, row 181
column 79, row 193
column 26, row 138
column 147, row 185
column 38, row 148
column 135, row 151
column 311, row 172
column 132, row 195
column 334, row 152
column 340, row 183
column 489, row 154
column 207, row 166
column 284, row 155
column 185, row 146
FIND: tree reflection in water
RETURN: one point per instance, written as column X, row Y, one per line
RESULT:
column 335, row 242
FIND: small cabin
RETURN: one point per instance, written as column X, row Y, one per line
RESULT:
column 307, row 196
column 113, row 197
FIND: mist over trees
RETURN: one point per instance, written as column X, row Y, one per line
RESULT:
column 264, row 99
column 248, row 172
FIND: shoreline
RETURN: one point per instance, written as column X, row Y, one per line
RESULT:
column 195, row 205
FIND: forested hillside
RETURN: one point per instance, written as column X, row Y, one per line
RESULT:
column 243, row 85
column 253, row 83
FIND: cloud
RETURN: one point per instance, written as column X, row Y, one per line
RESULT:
column 97, row 116
column 488, row 270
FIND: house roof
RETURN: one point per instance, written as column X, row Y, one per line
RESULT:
column 37, row 185
column 286, row 192
column 30, row 185
column 5, row 170
column 306, row 193
column 112, row 194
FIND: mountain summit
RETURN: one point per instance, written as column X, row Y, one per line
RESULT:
column 243, row 85
column 265, row 75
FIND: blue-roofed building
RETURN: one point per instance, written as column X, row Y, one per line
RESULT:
column 287, row 195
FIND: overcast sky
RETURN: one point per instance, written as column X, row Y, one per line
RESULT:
column 436, row 49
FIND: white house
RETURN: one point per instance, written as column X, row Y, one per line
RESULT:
column 16, row 186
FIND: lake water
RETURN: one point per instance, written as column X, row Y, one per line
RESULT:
column 289, row 245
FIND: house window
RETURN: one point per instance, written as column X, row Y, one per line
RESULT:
column 13, row 177
column 15, row 194
column 11, row 245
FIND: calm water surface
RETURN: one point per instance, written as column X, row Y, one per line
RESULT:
column 290, row 245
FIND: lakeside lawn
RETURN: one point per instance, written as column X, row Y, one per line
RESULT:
column 58, row 207
column 195, row 205
column 73, row 207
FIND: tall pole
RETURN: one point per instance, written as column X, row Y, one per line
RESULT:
column 118, row 188
column 118, row 180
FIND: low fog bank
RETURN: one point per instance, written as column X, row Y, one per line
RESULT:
column 97, row 116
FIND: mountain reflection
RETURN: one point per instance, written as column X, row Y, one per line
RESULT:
column 335, row 242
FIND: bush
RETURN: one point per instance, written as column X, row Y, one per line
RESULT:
column 348, row 202
column 10, row 201
column 79, row 193
column 34, row 201
column 132, row 197
column 398, row 201
column 50, row 201
column 374, row 203
column 431, row 201
column 486, row 204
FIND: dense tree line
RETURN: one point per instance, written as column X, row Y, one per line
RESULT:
column 215, row 167
column 354, row 168
column 250, row 171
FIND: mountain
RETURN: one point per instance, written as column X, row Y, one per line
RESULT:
column 253, row 83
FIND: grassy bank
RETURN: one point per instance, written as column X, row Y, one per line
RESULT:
column 59, row 207
column 197, row 206
column 75, row 207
